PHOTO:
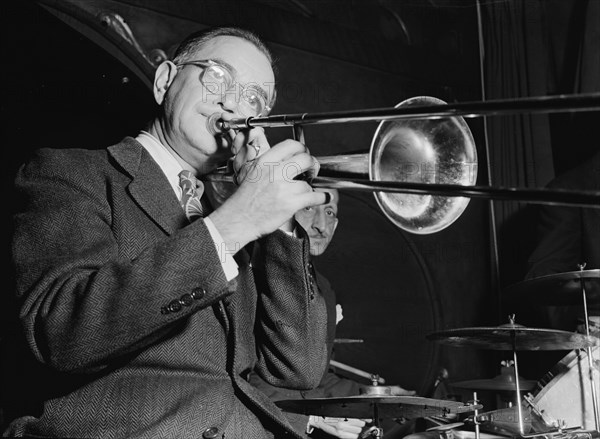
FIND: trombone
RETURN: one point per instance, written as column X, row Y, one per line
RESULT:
column 422, row 162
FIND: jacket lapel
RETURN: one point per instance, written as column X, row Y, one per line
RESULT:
column 149, row 187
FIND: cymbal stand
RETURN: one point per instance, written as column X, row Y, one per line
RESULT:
column 375, row 431
column 589, row 350
column 513, row 336
column 475, row 419
column 518, row 387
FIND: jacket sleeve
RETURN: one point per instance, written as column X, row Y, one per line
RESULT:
column 83, row 302
column 291, row 326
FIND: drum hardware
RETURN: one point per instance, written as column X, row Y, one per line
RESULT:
column 372, row 432
column 514, row 337
column 548, row 421
column 504, row 421
column 375, row 389
column 422, row 163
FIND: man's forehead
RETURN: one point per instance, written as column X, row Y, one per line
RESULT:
column 232, row 50
column 218, row 45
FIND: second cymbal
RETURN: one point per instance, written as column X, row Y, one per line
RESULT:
column 514, row 337
column 557, row 289
column 503, row 382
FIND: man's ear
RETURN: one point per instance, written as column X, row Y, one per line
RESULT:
column 163, row 78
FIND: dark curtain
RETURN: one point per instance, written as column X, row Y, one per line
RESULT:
column 536, row 48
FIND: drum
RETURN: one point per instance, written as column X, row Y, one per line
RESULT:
column 565, row 392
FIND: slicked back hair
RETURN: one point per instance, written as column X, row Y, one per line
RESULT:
column 196, row 40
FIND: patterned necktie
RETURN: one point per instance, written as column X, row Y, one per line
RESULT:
column 192, row 190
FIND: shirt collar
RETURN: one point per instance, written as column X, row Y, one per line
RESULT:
column 161, row 155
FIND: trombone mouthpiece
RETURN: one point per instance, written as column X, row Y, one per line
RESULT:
column 215, row 125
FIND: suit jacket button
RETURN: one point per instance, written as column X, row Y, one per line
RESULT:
column 186, row 300
column 210, row 433
column 174, row 306
column 198, row 293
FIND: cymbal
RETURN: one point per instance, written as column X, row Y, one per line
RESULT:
column 499, row 383
column 364, row 407
column 557, row 289
column 525, row 339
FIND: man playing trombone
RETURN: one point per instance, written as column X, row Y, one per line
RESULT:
column 141, row 309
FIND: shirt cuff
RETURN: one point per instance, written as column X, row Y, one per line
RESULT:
column 230, row 267
column 309, row 425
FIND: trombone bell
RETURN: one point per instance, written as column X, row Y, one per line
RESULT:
column 438, row 150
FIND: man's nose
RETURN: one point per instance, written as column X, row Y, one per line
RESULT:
column 229, row 101
column 319, row 221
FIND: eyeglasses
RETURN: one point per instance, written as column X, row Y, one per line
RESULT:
column 219, row 79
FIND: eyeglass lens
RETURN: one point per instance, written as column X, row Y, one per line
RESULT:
column 219, row 80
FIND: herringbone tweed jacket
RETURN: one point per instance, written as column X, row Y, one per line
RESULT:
column 101, row 248
column 331, row 385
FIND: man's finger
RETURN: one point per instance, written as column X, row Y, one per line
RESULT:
column 284, row 151
column 311, row 198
